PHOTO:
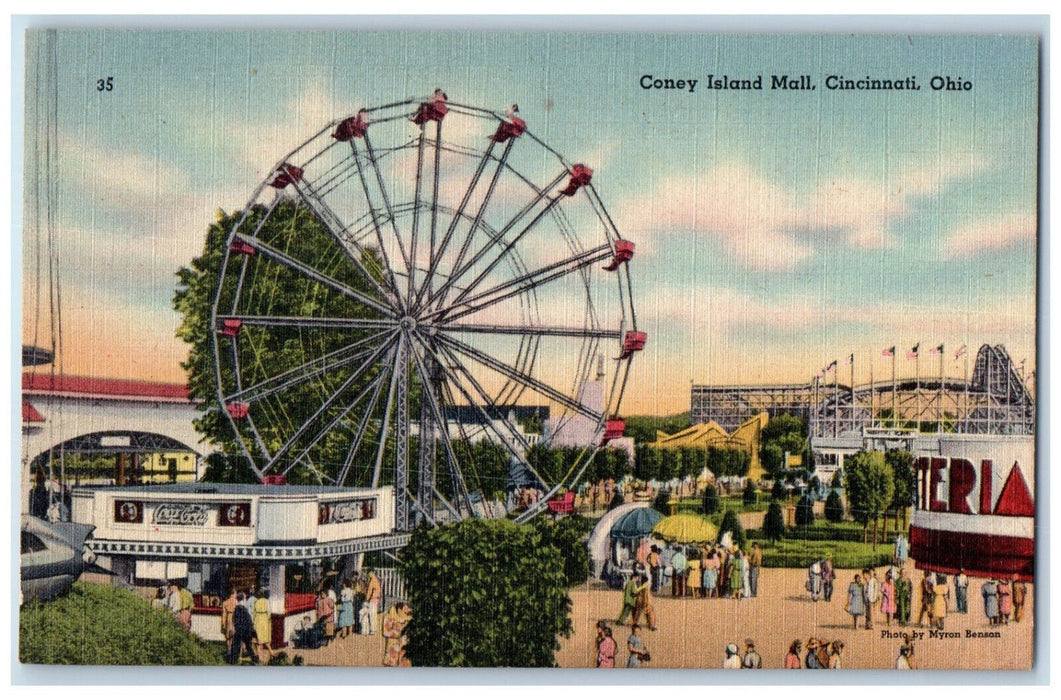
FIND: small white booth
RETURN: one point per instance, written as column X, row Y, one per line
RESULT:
column 219, row 536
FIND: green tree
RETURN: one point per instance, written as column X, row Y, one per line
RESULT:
column 774, row 522
column 710, row 503
column 647, row 462
column 662, row 502
column 869, row 485
column 228, row 469
column 804, row 511
column 750, row 496
column 838, row 479
column 905, row 475
column 265, row 352
column 485, row 593
column 102, row 625
column 834, row 507
column 568, row 536
column 783, row 433
column 643, row 428
column 778, row 492
column 731, row 524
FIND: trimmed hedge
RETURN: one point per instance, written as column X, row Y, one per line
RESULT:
column 797, row 554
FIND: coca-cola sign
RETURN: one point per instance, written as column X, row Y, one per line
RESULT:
column 187, row 514
column 346, row 511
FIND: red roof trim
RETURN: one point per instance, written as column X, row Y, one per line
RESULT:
column 97, row 386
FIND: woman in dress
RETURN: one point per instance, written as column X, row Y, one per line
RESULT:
column 940, row 597
column 711, row 573
column 856, row 602
column 990, row 594
column 263, row 628
column 1005, row 601
column 606, row 649
column 887, row 599
column 792, row 658
column 394, row 639
column 694, row 573
column 346, row 609
column 736, row 574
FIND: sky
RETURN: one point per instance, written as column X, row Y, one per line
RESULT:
column 776, row 230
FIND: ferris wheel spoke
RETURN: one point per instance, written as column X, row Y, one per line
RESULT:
column 328, row 403
column 336, row 229
column 514, row 374
column 315, row 322
column 415, row 229
column 370, row 154
column 428, row 390
column 444, row 354
column 502, row 329
column 458, row 215
column 366, row 417
column 524, row 283
column 316, row 275
column 397, row 372
column 336, row 419
column 306, row 371
column 458, row 272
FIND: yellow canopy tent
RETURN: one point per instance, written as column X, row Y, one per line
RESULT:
column 685, row 528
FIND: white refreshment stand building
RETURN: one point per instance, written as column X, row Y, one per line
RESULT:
column 218, row 536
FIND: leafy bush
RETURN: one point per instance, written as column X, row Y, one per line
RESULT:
column 731, row 524
column 800, row 554
column 710, row 504
column 749, row 497
column 774, row 522
column 838, row 479
column 485, row 593
column 567, row 535
column 100, row 625
column 834, row 507
column 805, row 511
column 779, row 492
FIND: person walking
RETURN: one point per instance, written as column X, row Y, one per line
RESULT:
column 228, row 611
column 755, row 562
column 746, row 575
column 813, row 660
column 370, row 610
column 345, row 623
column 902, row 549
column 814, row 580
column 263, row 627
column 636, row 648
column 711, row 574
column 243, row 633
column 887, row 600
column 1020, row 595
column 606, row 649
column 1005, row 601
column 655, row 567
column 961, row 592
column 629, row 599
column 828, row 577
column 905, row 660
column 836, row 649
column 694, row 577
column 678, row 581
column 792, row 659
column 872, row 591
column 989, row 591
column 856, row 601
column 940, row 598
column 904, row 591
column 643, row 605
column 326, row 615
column 736, row 575
column 926, row 599
column 394, row 640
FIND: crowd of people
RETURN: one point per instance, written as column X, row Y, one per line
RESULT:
column 699, row 571
column 819, row 654
column 637, row 654
column 893, row 598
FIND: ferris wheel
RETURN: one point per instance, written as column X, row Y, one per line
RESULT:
column 415, row 280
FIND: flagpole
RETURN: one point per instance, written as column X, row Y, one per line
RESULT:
column 836, row 398
column 917, row 382
column 939, row 405
column 895, row 416
column 872, row 393
column 966, row 378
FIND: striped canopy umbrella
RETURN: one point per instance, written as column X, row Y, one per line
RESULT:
column 685, row 528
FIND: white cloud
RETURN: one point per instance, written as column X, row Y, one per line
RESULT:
column 989, row 235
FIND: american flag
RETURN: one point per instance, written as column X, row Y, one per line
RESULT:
column 888, row 352
column 831, row 366
column 938, row 350
column 911, row 354
column 961, row 351
column 850, row 359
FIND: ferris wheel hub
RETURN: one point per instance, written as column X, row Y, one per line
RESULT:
column 408, row 323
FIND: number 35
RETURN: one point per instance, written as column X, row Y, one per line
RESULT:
column 105, row 84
